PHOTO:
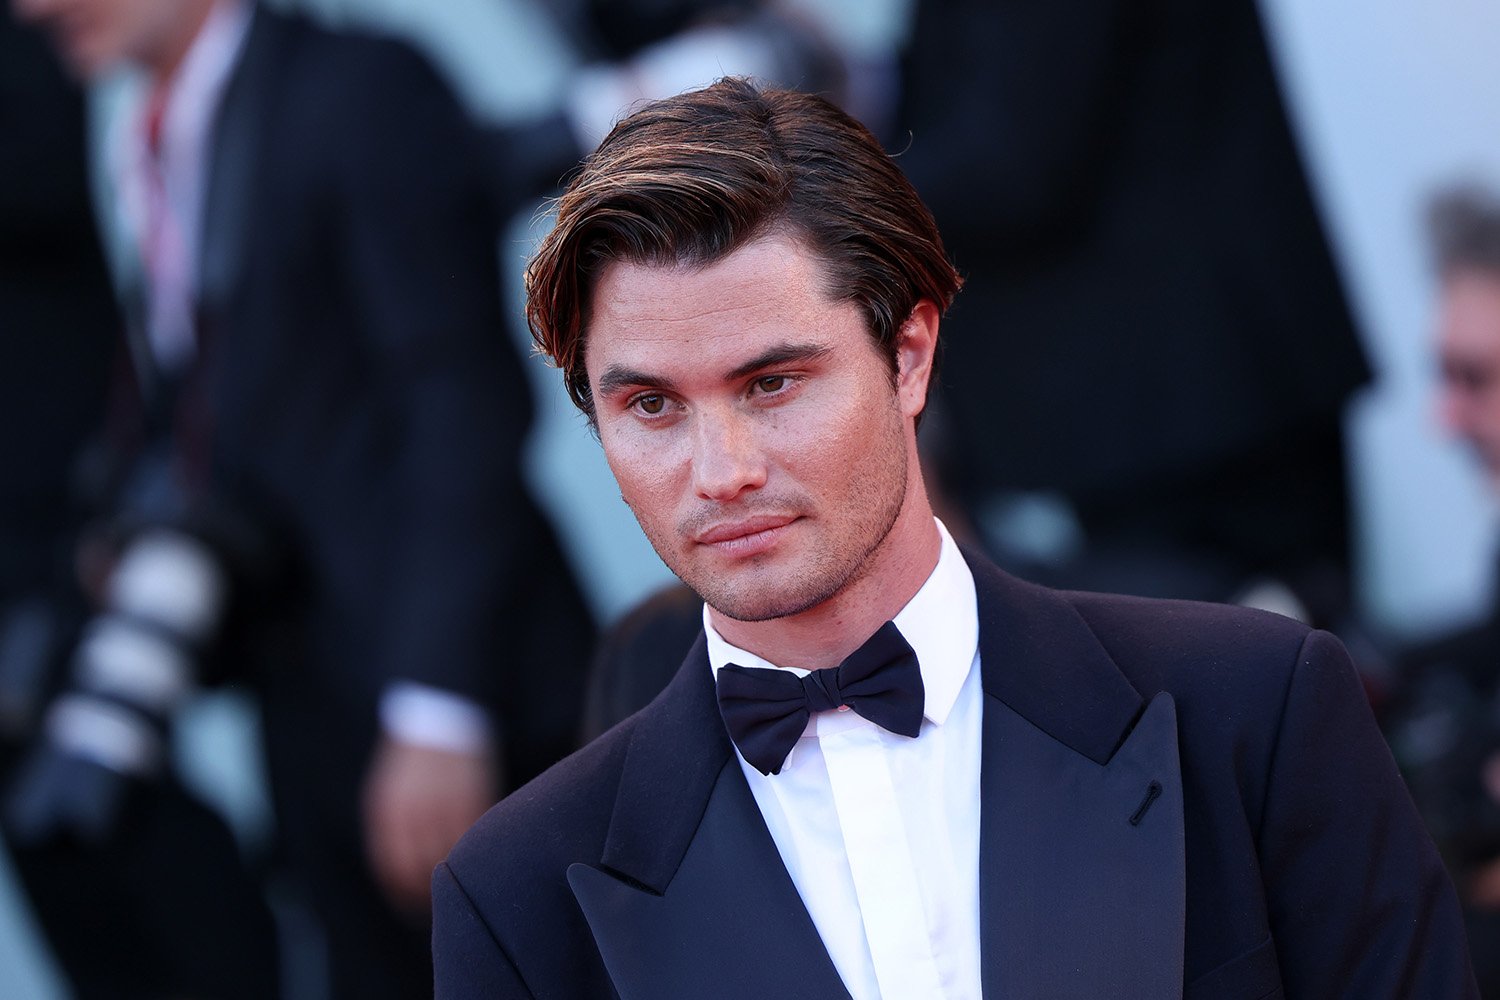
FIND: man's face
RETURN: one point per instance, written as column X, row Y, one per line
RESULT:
column 753, row 426
column 95, row 36
column 1469, row 349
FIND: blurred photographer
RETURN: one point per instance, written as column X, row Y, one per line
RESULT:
column 1445, row 725
column 322, row 491
column 138, row 889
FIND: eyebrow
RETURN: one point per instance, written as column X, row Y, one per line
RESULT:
column 783, row 354
column 616, row 378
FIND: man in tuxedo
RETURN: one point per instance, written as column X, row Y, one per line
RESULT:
column 886, row 768
column 330, row 429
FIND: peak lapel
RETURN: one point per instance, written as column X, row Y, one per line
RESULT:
column 1082, row 877
column 691, row 898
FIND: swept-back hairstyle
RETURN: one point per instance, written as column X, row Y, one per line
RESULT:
column 689, row 180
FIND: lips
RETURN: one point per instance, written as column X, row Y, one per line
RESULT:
column 749, row 536
column 728, row 531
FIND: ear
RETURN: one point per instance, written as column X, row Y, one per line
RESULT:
column 916, row 345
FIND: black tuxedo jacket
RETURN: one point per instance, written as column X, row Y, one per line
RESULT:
column 1179, row 800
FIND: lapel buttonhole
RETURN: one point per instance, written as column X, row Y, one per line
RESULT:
column 1153, row 791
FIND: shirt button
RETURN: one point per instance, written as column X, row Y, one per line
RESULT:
column 843, row 708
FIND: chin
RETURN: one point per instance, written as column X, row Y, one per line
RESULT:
column 751, row 610
column 768, row 600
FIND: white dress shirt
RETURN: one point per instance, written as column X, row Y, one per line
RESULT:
column 880, row 832
column 161, row 191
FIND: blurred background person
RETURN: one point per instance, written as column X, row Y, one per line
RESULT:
column 1153, row 353
column 1465, row 226
column 318, row 489
column 1444, row 726
column 118, row 905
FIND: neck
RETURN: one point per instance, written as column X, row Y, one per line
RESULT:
column 164, row 61
column 823, row 635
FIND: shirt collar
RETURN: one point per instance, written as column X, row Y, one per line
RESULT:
column 941, row 622
column 192, row 95
column 193, row 91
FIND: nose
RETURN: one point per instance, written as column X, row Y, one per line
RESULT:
column 727, row 458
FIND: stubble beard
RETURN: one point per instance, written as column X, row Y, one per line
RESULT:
column 843, row 562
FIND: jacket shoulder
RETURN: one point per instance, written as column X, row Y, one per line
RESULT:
column 1194, row 649
column 502, row 907
column 510, row 869
column 1233, row 674
column 558, row 817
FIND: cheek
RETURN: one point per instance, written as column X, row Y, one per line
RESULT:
column 644, row 467
column 827, row 450
column 865, row 415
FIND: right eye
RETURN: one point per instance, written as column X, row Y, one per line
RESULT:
column 651, row 404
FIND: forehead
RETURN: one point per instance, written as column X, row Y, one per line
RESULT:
column 769, row 288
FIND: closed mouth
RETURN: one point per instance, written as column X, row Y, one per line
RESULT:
column 746, row 530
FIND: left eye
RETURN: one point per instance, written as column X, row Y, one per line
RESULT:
column 771, row 383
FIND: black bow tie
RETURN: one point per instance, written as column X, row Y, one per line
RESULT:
column 766, row 709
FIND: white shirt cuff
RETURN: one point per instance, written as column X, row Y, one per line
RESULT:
column 433, row 718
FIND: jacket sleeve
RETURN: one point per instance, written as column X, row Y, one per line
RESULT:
column 1360, row 905
column 420, row 255
column 468, row 963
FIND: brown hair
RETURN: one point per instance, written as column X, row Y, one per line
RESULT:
column 691, row 179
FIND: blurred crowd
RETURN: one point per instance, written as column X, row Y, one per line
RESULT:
column 267, row 424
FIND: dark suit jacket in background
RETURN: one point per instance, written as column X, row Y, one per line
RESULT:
column 1282, row 856
column 357, row 399
column 118, row 923
column 58, row 323
column 1153, row 324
